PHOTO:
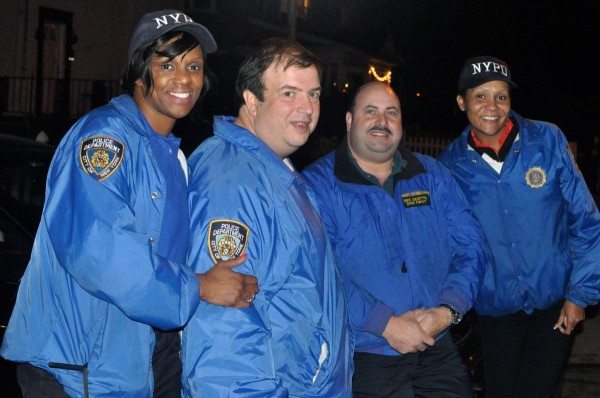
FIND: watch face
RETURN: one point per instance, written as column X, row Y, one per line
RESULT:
column 457, row 318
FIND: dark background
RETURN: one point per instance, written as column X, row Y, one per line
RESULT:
column 551, row 48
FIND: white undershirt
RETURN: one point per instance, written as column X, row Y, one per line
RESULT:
column 289, row 164
column 183, row 163
column 496, row 165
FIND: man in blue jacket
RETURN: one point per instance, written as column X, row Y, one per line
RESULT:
column 107, row 280
column 410, row 252
column 542, row 226
column 246, row 197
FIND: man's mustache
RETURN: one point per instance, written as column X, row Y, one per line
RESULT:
column 380, row 128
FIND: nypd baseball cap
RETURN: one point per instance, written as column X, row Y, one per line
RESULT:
column 479, row 70
column 155, row 24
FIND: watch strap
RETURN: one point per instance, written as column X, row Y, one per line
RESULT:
column 456, row 316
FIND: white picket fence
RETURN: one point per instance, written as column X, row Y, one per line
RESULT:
column 426, row 145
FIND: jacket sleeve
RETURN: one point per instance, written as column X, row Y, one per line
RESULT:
column 233, row 347
column 469, row 248
column 96, row 238
column 584, row 225
column 366, row 313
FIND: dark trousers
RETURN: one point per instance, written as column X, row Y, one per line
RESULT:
column 437, row 372
column 523, row 356
column 35, row 382
column 166, row 364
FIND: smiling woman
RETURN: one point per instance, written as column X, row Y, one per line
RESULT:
column 542, row 227
column 107, row 287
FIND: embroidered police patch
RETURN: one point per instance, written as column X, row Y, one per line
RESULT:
column 101, row 156
column 413, row 199
column 535, row 177
column 227, row 239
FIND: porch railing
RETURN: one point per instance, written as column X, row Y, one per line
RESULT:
column 426, row 145
column 18, row 96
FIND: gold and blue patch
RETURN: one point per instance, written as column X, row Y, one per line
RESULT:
column 535, row 177
column 101, row 156
column 227, row 239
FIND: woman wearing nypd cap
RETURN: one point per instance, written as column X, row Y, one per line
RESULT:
column 541, row 224
column 107, row 287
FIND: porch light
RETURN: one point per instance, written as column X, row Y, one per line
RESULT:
column 386, row 77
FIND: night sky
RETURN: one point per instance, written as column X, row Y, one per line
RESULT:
column 549, row 46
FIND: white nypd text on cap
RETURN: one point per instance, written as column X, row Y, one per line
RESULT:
column 489, row 67
column 166, row 19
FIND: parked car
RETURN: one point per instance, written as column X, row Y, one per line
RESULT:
column 23, row 168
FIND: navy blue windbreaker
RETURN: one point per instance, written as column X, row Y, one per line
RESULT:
column 539, row 218
column 418, row 248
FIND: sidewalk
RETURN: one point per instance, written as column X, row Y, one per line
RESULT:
column 586, row 349
column 582, row 379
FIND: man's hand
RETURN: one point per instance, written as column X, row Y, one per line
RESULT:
column 404, row 334
column 434, row 320
column 220, row 285
column 570, row 315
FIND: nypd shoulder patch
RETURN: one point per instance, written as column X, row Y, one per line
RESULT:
column 227, row 239
column 101, row 156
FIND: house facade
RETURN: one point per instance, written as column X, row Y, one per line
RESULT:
column 64, row 57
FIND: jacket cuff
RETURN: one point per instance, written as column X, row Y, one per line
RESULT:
column 378, row 319
column 454, row 299
column 573, row 297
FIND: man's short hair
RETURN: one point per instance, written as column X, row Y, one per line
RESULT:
column 170, row 45
column 274, row 50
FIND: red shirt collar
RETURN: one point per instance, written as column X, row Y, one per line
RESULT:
column 501, row 139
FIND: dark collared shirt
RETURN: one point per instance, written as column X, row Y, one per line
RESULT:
column 389, row 184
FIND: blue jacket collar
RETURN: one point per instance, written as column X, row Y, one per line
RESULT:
column 225, row 129
column 126, row 106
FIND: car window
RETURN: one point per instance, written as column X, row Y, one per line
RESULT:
column 15, row 246
column 24, row 180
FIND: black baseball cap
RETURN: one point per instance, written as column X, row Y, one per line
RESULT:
column 155, row 24
column 483, row 69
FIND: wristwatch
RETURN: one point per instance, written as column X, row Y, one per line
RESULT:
column 456, row 316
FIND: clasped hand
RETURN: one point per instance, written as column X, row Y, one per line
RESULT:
column 416, row 330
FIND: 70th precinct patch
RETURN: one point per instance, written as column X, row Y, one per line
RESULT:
column 413, row 199
column 101, row 156
column 227, row 239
